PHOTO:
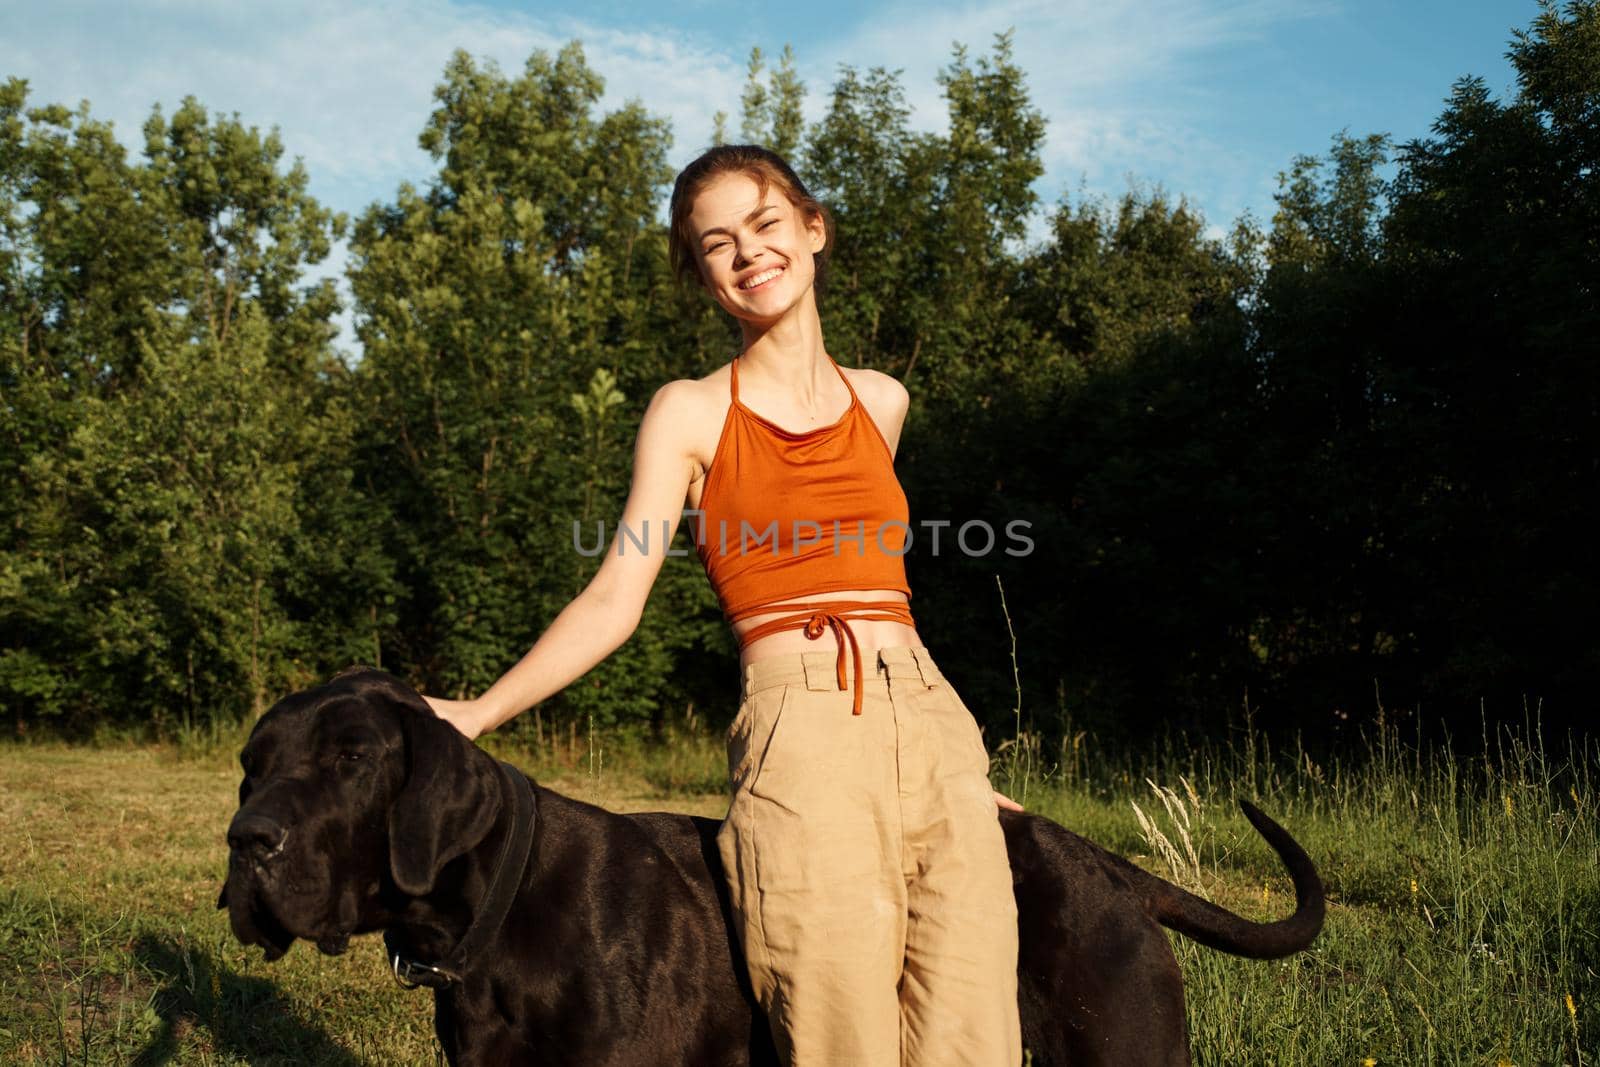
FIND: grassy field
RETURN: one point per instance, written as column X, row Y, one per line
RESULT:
column 1464, row 925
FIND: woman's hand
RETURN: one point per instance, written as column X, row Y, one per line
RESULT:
column 464, row 715
column 1006, row 802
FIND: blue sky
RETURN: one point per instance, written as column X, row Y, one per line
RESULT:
column 1208, row 98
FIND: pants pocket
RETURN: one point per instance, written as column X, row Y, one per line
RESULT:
column 962, row 747
column 812, row 807
column 751, row 733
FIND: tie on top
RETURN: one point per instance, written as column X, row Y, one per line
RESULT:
column 787, row 514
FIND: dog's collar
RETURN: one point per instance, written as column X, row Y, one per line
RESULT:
column 496, row 904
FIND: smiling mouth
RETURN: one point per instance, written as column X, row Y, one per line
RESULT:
column 759, row 280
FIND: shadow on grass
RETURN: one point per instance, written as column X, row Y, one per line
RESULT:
column 246, row 1016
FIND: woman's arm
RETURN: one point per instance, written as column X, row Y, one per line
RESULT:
column 606, row 613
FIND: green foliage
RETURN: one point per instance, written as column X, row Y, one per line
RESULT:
column 532, row 270
column 1113, row 277
column 168, row 398
column 876, row 177
column 771, row 112
column 1357, row 449
column 1428, row 399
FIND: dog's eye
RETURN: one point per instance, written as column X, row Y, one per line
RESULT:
column 350, row 755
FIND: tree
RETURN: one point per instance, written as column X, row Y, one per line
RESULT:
column 771, row 112
column 510, row 319
column 1493, row 245
column 876, row 176
column 163, row 394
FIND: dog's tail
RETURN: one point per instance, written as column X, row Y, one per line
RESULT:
column 1177, row 909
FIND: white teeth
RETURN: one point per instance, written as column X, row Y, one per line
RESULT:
column 760, row 279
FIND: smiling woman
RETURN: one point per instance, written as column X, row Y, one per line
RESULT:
column 761, row 170
column 867, row 870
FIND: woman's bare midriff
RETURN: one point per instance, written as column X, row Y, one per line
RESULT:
column 870, row 636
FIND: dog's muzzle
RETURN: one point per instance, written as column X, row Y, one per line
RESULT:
column 255, row 838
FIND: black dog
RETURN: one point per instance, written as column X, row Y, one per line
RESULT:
column 554, row 932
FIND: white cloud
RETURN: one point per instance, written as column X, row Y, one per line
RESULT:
column 350, row 85
column 1122, row 85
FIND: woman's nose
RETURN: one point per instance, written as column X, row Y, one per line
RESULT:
column 746, row 250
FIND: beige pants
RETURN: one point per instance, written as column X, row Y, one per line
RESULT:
column 868, row 871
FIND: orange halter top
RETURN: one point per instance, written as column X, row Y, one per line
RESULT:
column 785, row 514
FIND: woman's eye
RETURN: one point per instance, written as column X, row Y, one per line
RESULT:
column 764, row 225
column 716, row 247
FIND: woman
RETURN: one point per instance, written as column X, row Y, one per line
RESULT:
column 865, row 861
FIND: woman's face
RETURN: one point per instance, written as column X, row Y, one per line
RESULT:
column 754, row 249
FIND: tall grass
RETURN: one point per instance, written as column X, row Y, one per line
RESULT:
column 1464, row 889
column 1464, row 919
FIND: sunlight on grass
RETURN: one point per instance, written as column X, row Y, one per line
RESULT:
column 1464, row 894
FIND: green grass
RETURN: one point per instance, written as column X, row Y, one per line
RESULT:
column 1464, row 919
column 1465, row 898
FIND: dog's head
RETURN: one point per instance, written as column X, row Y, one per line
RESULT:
column 355, row 796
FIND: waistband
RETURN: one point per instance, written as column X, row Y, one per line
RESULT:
column 818, row 671
column 817, row 618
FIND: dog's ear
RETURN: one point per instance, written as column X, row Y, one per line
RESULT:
column 447, row 803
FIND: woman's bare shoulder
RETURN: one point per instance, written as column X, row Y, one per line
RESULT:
column 878, row 389
column 693, row 396
column 684, row 417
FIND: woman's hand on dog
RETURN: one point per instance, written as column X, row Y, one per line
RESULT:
column 1003, row 801
column 465, row 715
